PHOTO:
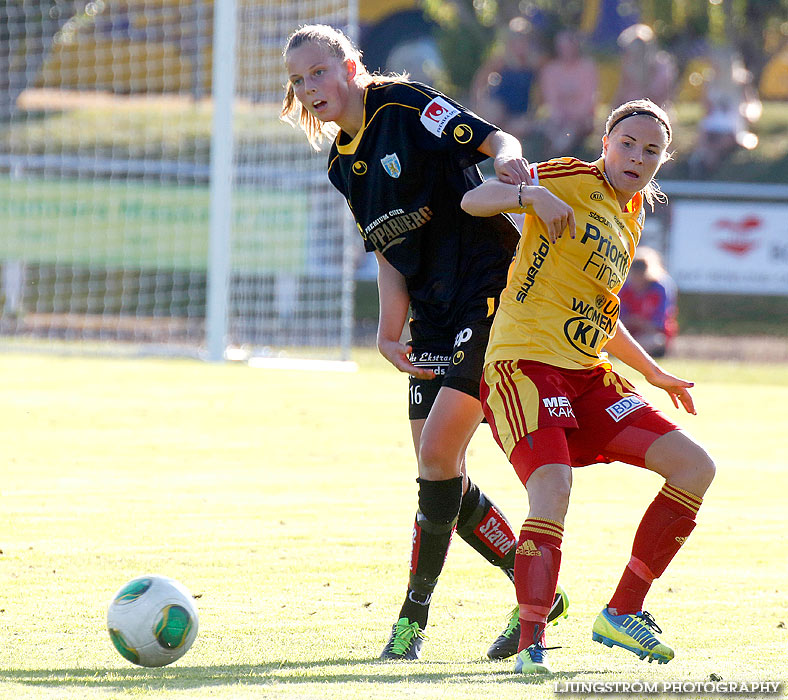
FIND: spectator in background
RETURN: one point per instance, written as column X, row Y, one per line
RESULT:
column 646, row 71
column 394, row 26
column 648, row 302
column 774, row 78
column 568, row 84
column 419, row 58
column 502, row 87
column 732, row 106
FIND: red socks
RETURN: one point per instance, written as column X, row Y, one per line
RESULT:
column 536, row 564
column 665, row 526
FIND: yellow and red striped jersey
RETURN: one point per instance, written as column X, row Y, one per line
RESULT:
column 560, row 305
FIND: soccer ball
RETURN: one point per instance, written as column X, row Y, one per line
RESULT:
column 152, row 620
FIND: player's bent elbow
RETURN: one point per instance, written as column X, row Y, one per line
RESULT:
column 475, row 204
column 470, row 205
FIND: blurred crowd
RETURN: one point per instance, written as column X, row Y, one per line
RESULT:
column 548, row 91
column 546, row 88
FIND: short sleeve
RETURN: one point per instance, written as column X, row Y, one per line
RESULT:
column 442, row 125
column 552, row 175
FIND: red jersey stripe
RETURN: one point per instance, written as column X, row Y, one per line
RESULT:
column 510, row 403
column 567, row 173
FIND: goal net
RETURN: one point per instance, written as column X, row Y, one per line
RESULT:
column 109, row 217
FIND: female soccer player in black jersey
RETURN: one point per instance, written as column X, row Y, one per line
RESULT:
column 403, row 156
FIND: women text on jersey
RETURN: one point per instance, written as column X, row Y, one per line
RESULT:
column 404, row 175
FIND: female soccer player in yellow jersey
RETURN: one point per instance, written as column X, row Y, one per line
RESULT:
column 552, row 399
column 403, row 156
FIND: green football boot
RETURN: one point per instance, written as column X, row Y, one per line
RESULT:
column 405, row 642
column 508, row 641
column 532, row 661
column 636, row 633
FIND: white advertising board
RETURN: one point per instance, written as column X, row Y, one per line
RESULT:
column 729, row 247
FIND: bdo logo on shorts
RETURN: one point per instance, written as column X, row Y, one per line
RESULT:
column 622, row 408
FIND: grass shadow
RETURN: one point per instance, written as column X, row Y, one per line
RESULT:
column 285, row 672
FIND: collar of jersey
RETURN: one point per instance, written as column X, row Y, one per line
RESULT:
column 349, row 149
column 633, row 205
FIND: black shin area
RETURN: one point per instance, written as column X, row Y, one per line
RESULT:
column 439, row 503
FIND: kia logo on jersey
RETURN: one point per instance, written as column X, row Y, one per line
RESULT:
column 437, row 114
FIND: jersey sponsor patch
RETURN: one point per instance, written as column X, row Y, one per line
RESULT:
column 391, row 165
column 428, row 360
column 492, row 530
column 437, row 114
column 558, row 407
column 624, row 407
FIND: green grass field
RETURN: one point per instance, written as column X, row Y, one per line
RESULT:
column 284, row 500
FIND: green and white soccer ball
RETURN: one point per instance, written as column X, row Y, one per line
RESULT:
column 152, row 620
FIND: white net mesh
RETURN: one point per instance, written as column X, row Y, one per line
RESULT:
column 105, row 132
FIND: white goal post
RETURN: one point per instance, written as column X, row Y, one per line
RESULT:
column 151, row 200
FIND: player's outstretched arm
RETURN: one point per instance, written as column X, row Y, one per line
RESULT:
column 493, row 197
column 394, row 302
column 629, row 351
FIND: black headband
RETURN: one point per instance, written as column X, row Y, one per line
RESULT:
column 640, row 113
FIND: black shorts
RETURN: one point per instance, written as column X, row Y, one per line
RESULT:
column 456, row 355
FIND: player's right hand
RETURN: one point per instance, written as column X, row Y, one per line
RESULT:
column 512, row 170
column 397, row 354
column 556, row 214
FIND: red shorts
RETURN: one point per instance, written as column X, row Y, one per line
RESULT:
column 524, row 401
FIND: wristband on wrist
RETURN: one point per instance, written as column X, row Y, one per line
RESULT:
column 520, row 194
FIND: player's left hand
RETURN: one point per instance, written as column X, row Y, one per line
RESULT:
column 676, row 388
column 398, row 354
column 555, row 213
column 512, row 170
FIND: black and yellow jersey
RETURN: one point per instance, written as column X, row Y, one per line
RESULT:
column 404, row 175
